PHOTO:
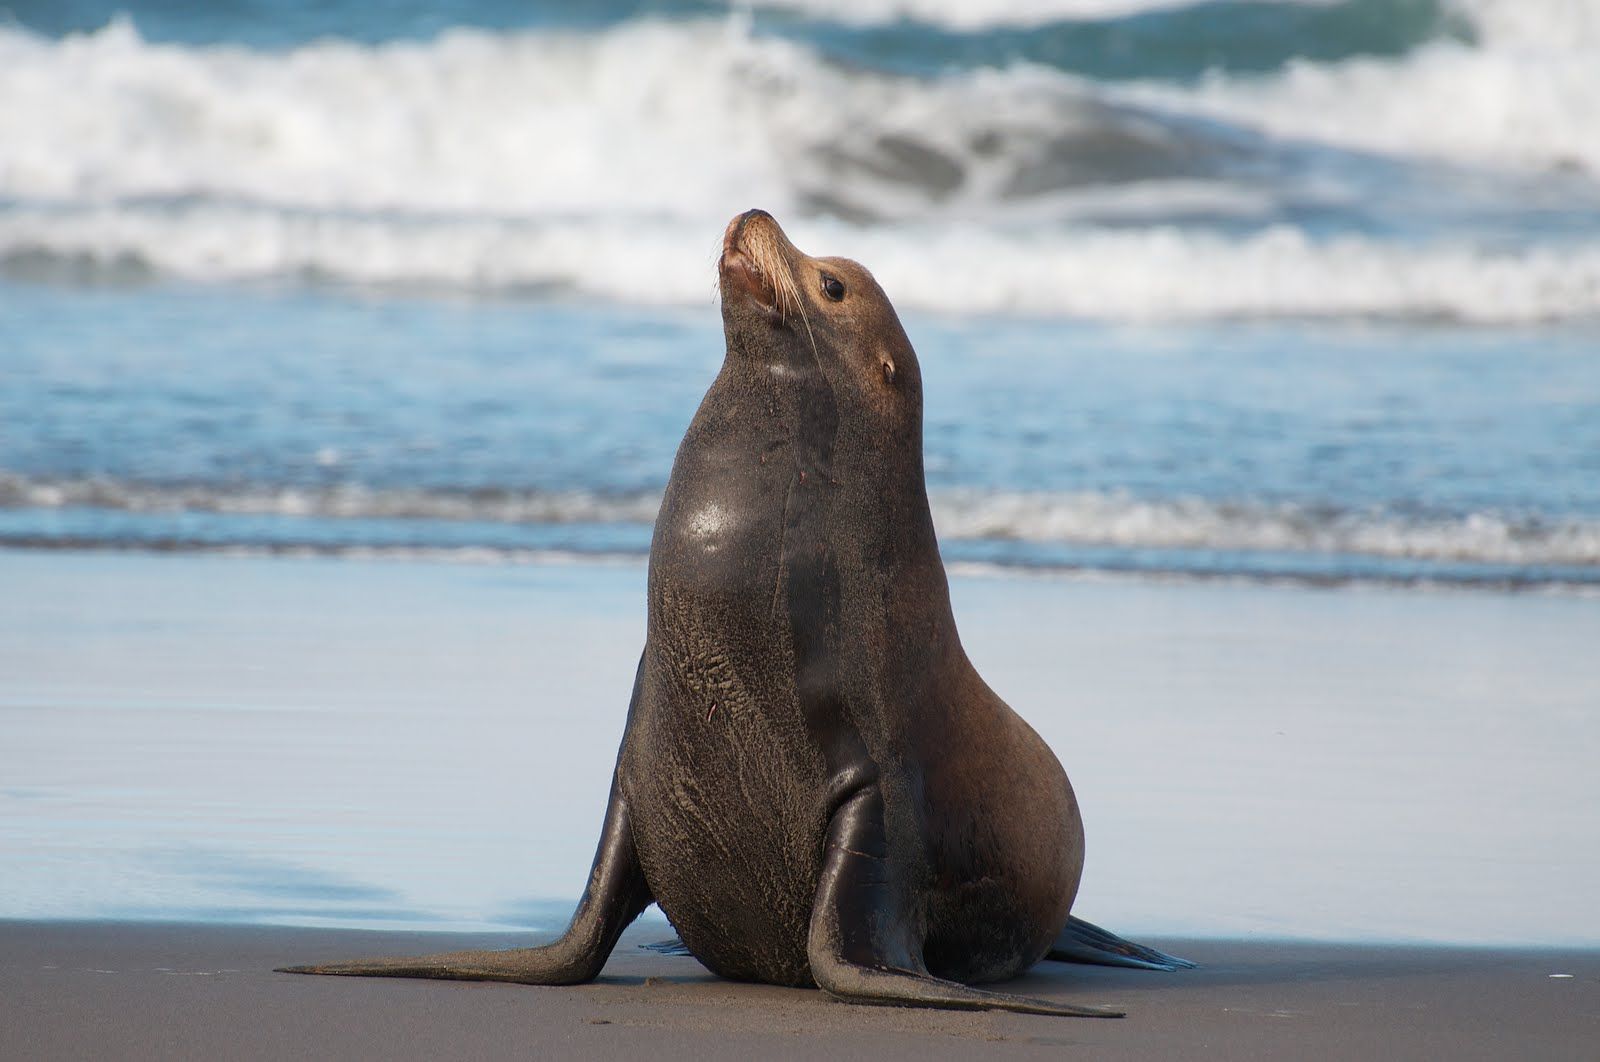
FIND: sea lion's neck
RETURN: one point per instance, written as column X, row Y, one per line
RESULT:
column 776, row 430
column 832, row 466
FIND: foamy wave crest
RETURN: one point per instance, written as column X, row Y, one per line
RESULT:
column 1523, row 94
column 979, row 14
column 697, row 118
column 1066, row 519
column 340, row 502
column 1150, row 274
column 471, row 121
column 1172, row 274
column 1195, row 524
column 606, row 163
column 663, row 262
column 689, row 120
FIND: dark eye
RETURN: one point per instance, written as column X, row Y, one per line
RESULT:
column 832, row 288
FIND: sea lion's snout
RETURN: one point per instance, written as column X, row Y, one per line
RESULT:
column 755, row 262
column 730, row 235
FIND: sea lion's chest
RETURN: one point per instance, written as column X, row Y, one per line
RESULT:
column 742, row 495
column 727, row 786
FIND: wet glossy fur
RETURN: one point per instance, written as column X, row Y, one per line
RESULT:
column 814, row 784
column 801, row 634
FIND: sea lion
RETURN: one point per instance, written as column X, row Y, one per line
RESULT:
column 814, row 783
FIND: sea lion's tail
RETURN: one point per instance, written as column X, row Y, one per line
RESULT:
column 1086, row 942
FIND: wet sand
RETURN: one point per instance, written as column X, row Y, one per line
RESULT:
column 173, row 991
column 423, row 746
column 196, row 746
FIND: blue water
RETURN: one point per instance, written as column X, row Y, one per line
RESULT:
column 333, row 423
column 1219, row 289
column 1164, row 41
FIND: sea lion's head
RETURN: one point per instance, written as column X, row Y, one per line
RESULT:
column 785, row 308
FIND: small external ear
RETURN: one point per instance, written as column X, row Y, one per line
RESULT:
column 888, row 367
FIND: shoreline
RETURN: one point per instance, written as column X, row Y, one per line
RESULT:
column 178, row 991
column 964, row 558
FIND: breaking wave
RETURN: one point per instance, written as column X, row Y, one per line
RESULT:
column 345, row 502
column 976, row 14
column 1153, row 274
column 350, row 517
column 604, row 161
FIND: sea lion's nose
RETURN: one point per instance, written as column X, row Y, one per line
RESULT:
column 730, row 236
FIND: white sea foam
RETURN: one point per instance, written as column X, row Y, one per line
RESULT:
column 978, row 14
column 336, row 502
column 606, row 163
column 1153, row 274
column 1523, row 95
column 471, row 121
column 697, row 118
column 691, row 120
column 1045, row 518
column 1192, row 523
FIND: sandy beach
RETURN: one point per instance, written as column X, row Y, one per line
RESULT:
column 219, row 765
column 166, row 991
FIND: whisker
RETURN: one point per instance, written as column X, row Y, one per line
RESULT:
column 765, row 252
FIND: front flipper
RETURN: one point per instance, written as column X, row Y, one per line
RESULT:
column 861, row 947
column 615, row 896
column 1086, row 942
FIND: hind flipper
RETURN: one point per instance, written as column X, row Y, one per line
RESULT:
column 675, row 947
column 860, row 948
column 909, row 988
column 615, row 896
column 1086, row 942
column 617, row 893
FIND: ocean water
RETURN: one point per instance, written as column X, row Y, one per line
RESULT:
column 1267, row 290
column 1262, row 290
column 179, row 418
